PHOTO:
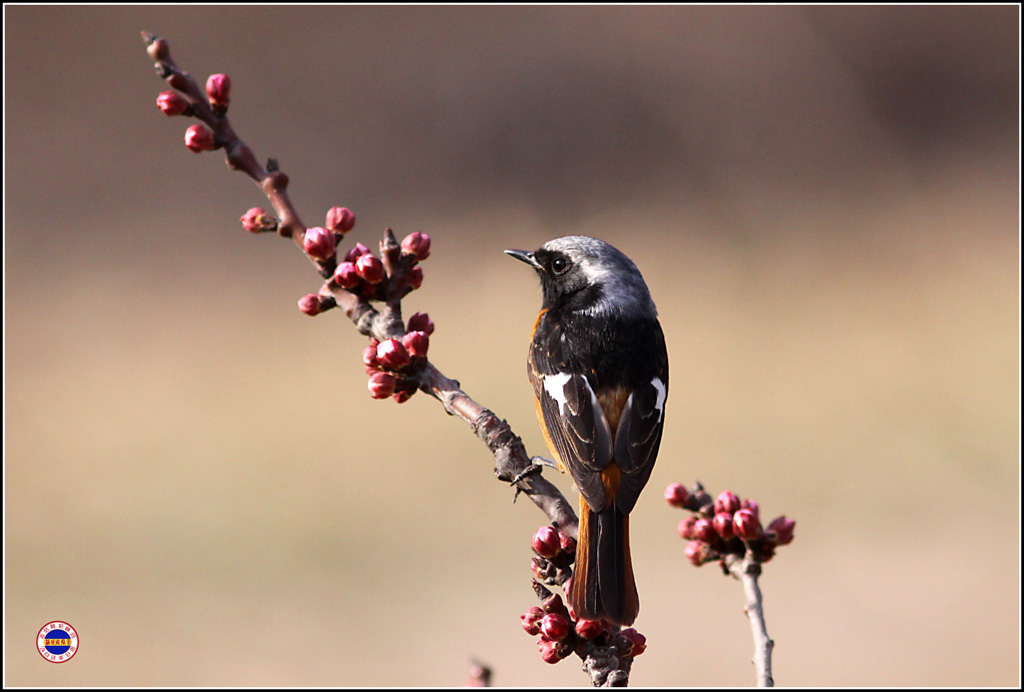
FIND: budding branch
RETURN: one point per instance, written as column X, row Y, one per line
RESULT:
column 511, row 460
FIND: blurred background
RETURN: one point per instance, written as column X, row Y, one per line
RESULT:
column 824, row 202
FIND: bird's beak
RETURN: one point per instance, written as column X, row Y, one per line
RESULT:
column 524, row 256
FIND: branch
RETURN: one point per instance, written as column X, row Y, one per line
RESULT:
column 607, row 652
column 511, row 461
column 728, row 529
column 747, row 570
column 239, row 156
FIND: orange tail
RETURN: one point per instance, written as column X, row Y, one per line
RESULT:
column 603, row 586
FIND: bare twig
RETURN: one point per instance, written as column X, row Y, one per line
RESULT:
column 747, row 570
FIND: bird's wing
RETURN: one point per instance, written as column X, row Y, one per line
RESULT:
column 575, row 425
column 637, row 439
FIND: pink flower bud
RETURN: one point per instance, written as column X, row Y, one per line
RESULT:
column 171, row 103
column 198, row 139
column 531, row 620
column 381, row 385
column 554, row 626
column 258, row 221
column 319, row 243
column 417, row 244
column 727, row 502
column 414, row 278
column 746, row 525
column 723, row 525
column 218, row 89
column 685, row 527
column 370, row 356
column 752, row 506
column 340, row 220
column 703, row 530
column 346, row 276
column 697, row 552
column 416, row 343
column 590, row 629
column 421, row 322
column 355, row 253
column 392, row 354
column 546, row 542
column 553, row 604
column 782, row 527
column 549, row 650
column 677, row 495
column 370, row 268
column 310, row 304
column 630, row 642
column 567, row 543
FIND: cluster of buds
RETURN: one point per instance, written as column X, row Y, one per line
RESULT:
column 364, row 273
column 321, row 242
column 551, row 624
column 726, row 526
column 559, row 633
column 554, row 555
column 198, row 138
column 392, row 364
column 360, row 271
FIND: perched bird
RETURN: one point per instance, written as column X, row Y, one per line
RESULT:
column 599, row 370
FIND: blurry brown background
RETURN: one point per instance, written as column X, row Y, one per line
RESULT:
column 824, row 202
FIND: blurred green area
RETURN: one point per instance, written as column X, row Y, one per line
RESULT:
column 824, row 201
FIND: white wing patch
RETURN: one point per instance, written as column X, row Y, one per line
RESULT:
column 554, row 385
column 662, row 395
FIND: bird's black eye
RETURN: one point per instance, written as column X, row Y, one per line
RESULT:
column 559, row 265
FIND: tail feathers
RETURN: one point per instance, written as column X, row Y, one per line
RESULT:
column 603, row 585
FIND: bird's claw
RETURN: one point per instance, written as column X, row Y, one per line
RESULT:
column 537, row 464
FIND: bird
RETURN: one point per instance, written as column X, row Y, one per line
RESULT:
column 599, row 369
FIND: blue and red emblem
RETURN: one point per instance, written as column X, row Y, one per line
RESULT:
column 57, row 642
